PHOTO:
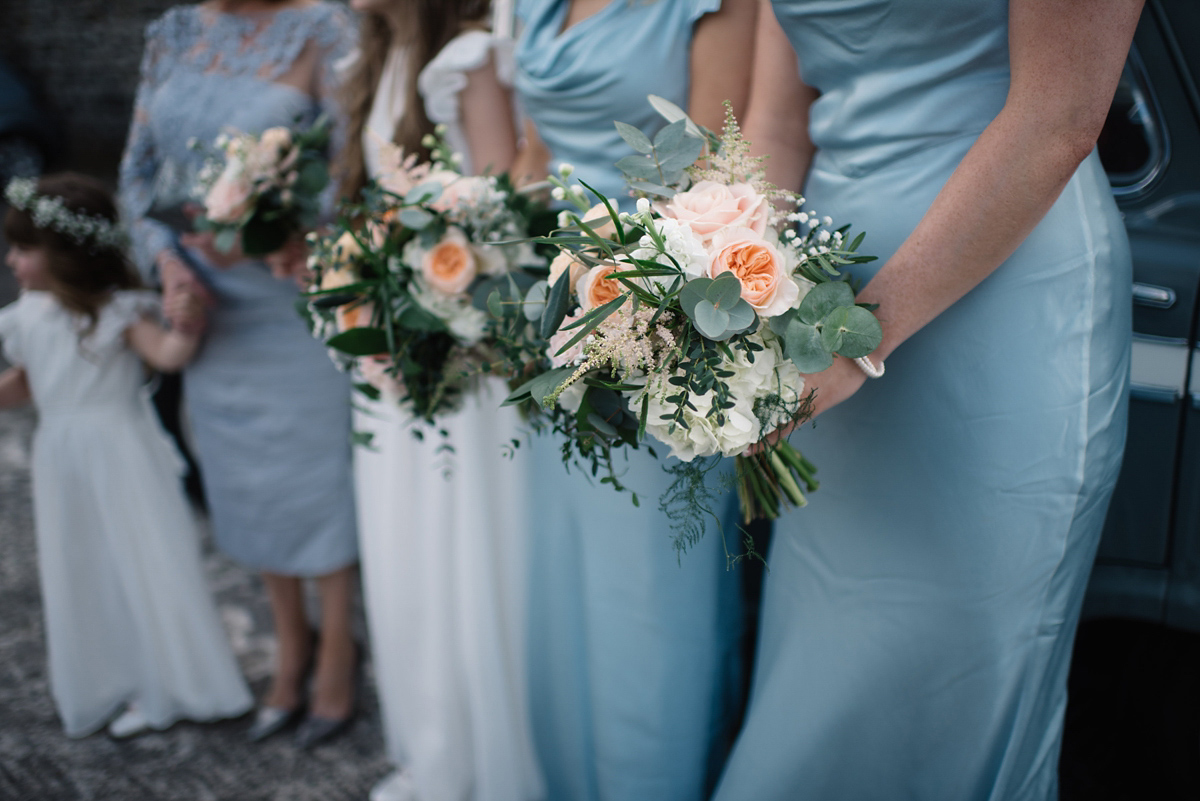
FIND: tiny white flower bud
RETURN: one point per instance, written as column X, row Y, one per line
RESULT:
column 643, row 205
column 813, row 223
column 558, row 193
column 802, row 217
column 564, row 219
column 565, row 170
column 827, row 220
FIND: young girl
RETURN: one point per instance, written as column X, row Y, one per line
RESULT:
column 129, row 620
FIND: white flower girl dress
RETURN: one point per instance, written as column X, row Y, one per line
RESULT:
column 129, row 618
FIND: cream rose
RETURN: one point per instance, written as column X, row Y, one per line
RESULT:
column 709, row 207
column 562, row 337
column 228, row 201
column 564, row 262
column 760, row 268
column 595, row 288
column 450, row 266
column 469, row 190
column 374, row 370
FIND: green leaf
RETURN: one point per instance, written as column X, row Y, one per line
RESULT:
column 694, row 292
column 312, row 178
column 824, row 298
column 370, row 391
column 535, row 301
column 225, row 239
column 640, row 167
column 684, row 156
column 539, row 386
column 652, row 189
column 415, row 219
column 360, row 342
column 779, row 324
column 557, row 302
column 711, row 321
column 672, row 112
column 601, row 425
column 495, row 304
column 725, row 291
column 832, row 327
column 589, row 321
column 634, row 138
column 802, row 344
column 260, row 238
column 669, row 138
column 427, row 192
column 334, row 300
column 861, row 333
column 741, row 317
column 415, row 318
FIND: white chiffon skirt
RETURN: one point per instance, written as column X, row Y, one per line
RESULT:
column 129, row 616
column 442, row 532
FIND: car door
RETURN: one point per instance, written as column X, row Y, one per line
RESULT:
column 1148, row 565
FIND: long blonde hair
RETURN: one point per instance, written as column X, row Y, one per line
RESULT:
column 425, row 27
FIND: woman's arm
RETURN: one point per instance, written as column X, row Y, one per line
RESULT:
column 169, row 350
column 532, row 163
column 14, row 388
column 721, row 62
column 487, row 118
column 777, row 120
column 1067, row 57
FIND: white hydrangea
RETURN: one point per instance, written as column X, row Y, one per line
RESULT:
column 465, row 322
column 681, row 244
column 771, row 374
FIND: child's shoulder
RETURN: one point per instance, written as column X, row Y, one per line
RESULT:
column 124, row 308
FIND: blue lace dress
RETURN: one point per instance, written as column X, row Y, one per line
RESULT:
column 633, row 650
column 270, row 414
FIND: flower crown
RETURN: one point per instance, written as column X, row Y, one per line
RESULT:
column 51, row 212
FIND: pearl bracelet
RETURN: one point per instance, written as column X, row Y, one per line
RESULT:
column 870, row 369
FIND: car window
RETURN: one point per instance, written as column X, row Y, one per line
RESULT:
column 1133, row 146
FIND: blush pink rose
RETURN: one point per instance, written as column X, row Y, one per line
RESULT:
column 450, row 266
column 467, row 190
column 760, row 268
column 600, row 221
column 710, row 207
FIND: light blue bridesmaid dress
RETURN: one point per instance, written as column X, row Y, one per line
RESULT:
column 919, row 614
column 270, row 414
column 633, row 650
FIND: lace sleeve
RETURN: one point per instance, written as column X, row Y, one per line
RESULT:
column 140, row 163
column 338, row 42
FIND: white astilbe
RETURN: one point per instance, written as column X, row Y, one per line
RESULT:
column 628, row 344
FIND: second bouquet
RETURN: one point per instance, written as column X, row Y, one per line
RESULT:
column 401, row 283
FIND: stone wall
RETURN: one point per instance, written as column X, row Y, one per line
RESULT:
column 81, row 57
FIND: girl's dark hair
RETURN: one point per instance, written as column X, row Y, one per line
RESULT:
column 82, row 276
column 426, row 26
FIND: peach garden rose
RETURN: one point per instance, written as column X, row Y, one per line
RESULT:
column 595, row 288
column 450, row 266
column 759, row 266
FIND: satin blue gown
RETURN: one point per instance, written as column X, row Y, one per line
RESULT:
column 633, row 650
column 919, row 614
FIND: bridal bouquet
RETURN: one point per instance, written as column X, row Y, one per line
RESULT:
column 403, row 282
column 691, row 320
column 266, row 188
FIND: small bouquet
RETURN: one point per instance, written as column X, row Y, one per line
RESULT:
column 691, row 320
column 403, row 282
column 264, row 189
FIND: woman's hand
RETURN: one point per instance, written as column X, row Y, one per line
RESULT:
column 203, row 241
column 290, row 262
column 181, row 290
column 829, row 388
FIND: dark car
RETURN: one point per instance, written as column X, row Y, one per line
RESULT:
column 26, row 136
column 1148, row 566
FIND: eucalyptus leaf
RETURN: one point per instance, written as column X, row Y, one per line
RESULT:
column 312, row 178
column 360, row 342
column 824, row 298
column 802, row 344
column 672, row 112
column 861, row 333
column 601, row 425
column 651, row 188
column 694, row 292
column 669, row 138
column 225, row 239
column 741, row 317
column 684, row 156
column 415, row 219
column 535, row 301
column 634, row 138
column 725, row 290
column 640, row 167
column 833, row 327
column 710, row 321
column 605, row 402
column 427, row 192
column 416, row 318
column 779, row 324
column 495, row 305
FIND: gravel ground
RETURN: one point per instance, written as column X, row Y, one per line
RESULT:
column 187, row 762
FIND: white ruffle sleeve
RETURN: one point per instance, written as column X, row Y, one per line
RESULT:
column 10, row 332
column 126, row 308
column 446, row 75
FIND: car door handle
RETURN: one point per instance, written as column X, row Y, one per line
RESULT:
column 1156, row 297
column 1159, row 372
